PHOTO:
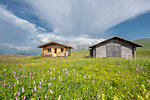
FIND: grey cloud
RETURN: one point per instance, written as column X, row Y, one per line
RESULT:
column 14, row 30
column 78, row 17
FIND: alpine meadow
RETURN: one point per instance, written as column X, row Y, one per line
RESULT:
column 76, row 77
column 74, row 49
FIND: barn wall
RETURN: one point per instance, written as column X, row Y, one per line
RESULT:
column 91, row 52
column 127, row 50
column 101, row 51
column 94, row 52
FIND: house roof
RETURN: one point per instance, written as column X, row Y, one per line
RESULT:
column 117, row 37
column 55, row 43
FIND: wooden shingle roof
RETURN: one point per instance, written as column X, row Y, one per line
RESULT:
column 117, row 37
column 55, row 43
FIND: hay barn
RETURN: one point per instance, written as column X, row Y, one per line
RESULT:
column 115, row 47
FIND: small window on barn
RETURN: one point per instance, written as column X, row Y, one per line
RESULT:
column 55, row 50
column 62, row 49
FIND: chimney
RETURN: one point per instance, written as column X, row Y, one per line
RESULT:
column 66, row 43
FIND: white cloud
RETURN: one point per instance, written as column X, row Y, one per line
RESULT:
column 15, row 30
column 75, row 18
column 52, row 37
column 21, row 34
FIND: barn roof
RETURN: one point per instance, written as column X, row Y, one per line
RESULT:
column 117, row 37
column 55, row 43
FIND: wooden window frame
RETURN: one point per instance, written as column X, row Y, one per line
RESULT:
column 55, row 50
column 50, row 50
column 62, row 49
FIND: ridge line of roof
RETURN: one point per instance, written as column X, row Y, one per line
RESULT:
column 119, row 38
column 44, row 44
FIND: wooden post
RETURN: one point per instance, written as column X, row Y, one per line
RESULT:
column 42, row 52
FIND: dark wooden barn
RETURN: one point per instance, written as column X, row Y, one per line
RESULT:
column 115, row 47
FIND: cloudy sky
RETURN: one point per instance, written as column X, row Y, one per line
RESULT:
column 28, row 23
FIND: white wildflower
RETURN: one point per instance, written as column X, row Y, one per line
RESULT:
column 45, row 96
column 51, row 78
column 49, row 84
column 51, row 91
column 40, row 83
column 17, row 82
column 33, row 82
column 59, row 97
column 93, row 81
column 42, row 80
column 65, row 69
column 59, row 77
column 18, row 93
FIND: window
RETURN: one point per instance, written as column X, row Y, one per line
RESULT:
column 55, row 50
column 62, row 49
column 49, row 49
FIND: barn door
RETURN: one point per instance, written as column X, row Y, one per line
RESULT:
column 113, row 51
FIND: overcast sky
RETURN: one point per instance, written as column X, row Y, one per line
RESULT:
column 31, row 22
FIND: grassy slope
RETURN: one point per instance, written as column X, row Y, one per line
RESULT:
column 86, row 78
column 145, row 42
column 143, row 51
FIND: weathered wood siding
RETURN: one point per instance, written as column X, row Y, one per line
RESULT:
column 114, row 48
column 128, row 51
column 94, row 52
column 101, row 51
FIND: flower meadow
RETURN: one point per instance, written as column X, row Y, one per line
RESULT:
column 75, row 77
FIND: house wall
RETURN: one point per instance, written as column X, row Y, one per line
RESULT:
column 65, row 52
column 127, row 50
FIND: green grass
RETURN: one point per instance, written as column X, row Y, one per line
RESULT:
column 75, row 77
column 145, row 42
column 143, row 53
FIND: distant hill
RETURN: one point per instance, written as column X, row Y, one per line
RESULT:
column 145, row 42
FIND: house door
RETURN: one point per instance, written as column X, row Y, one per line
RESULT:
column 113, row 51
